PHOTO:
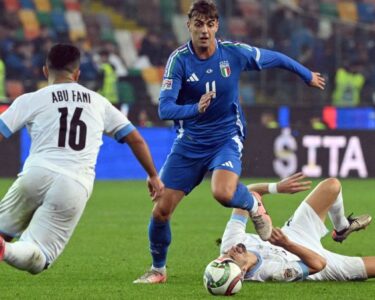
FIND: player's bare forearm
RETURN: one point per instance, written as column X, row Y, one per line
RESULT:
column 1, row 137
column 311, row 259
column 141, row 151
column 290, row 185
column 260, row 188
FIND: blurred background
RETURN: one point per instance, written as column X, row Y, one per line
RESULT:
column 126, row 43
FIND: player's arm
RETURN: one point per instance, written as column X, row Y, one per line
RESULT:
column 171, row 87
column 141, row 151
column 235, row 230
column 123, row 131
column 273, row 59
column 311, row 259
column 256, row 58
column 290, row 185
column 169, row 110
column 16, row 116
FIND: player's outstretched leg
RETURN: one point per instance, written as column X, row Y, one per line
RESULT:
column 356, row 223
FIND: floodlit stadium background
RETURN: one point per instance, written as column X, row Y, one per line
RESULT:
column 290, row 124
column 336, row 38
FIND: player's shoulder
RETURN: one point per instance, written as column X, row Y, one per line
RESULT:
column 235, row 46
column 95, row 96
column 24, row 98
column 180, row 53
column 177, row 58
column 84, row 89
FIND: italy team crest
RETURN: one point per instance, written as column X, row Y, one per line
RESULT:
column 225, row 68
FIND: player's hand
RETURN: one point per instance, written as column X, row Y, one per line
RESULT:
column 205, row 101
column 293, row 184
column 317, row 81
column 278, row 238
column 155, row 187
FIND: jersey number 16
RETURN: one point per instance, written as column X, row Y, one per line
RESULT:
column 76, row 126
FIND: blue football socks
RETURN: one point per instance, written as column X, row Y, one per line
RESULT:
column 159, row 234
column 242, row 198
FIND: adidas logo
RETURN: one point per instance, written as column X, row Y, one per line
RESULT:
column 193, row 78
column 228, row 164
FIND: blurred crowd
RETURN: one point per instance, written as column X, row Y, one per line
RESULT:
column 334, row 40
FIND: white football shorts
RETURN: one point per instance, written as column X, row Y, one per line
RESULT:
column 306, row 228
column 43, row 207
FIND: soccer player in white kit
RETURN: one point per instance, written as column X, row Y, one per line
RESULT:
column 295, row 251
column 66, row 122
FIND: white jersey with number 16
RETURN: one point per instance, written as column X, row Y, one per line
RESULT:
column 66, row 122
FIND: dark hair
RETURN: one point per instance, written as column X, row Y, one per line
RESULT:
column 63, row 57
column 205, row 8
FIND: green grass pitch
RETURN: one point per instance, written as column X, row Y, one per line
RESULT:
column 109, row 249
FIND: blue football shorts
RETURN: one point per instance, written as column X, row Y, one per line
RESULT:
column 184, row 172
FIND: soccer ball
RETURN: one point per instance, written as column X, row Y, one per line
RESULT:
column 223, row 277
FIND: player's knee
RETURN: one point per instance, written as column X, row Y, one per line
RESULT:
column 161, row 214
column 36, row 270
column 332, row 185
column 223, row 195
column 38, row 262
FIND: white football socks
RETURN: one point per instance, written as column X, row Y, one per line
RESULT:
column 161, row 270
column 254, row 209
column 25, row 256
column 337, row 214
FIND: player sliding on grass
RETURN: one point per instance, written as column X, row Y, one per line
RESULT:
column 295, row 251
column 66, row 122
column 200, row 93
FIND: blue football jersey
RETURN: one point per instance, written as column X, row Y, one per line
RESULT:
column 187, row 78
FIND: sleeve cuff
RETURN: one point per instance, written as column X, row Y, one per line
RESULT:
column 124, row 131
column 305, row 270
column 239, row 218
column 4, row 130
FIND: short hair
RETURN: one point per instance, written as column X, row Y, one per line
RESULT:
column 63, row 57
column 205, row 8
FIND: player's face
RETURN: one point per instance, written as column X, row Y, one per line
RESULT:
column 244, row 259
column 203, row 31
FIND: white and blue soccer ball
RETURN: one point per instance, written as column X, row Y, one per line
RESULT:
column 223, row 277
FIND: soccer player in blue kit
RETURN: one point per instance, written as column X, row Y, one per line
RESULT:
column 200, row 93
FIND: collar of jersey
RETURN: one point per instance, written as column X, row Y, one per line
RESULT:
column 190, row 47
